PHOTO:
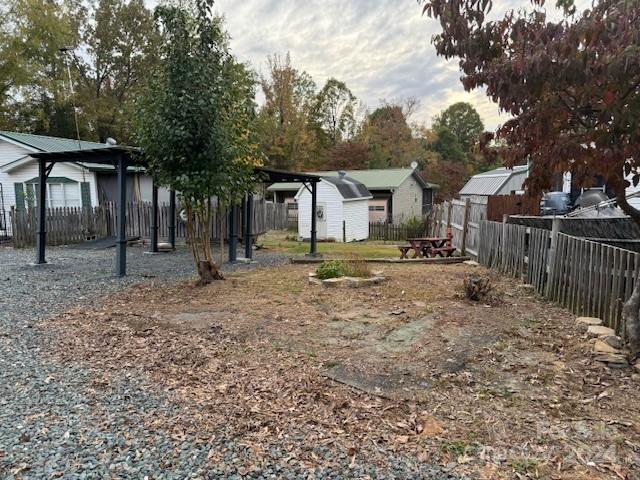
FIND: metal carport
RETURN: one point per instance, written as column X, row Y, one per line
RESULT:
column 121, row 157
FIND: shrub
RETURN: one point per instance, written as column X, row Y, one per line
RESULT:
column 331, row 269
column 415, row 226
column 353, row 267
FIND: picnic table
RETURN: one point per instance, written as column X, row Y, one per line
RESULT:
column 427, row 247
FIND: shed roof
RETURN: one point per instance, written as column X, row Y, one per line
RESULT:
column 376, row 179
column 490, row 183
column 349, row 188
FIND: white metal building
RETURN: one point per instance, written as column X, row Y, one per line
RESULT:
column 500, row 181
column 342, row 210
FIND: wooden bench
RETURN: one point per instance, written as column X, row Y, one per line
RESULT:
column 442, row 251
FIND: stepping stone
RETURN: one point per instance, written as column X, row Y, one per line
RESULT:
column 600, row 331
column 603, row 347
column 588, row 321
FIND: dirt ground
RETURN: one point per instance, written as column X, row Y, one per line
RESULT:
column 499, row 390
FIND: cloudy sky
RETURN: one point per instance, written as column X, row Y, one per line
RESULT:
column 380, row 48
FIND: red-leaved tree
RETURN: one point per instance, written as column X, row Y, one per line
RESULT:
column 571, row 87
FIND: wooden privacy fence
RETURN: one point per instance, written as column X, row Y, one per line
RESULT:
column 500, row 205
column 587, row 277
column 77, row 224
column 464, row 218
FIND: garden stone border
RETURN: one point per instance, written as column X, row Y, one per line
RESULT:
column 347, row 282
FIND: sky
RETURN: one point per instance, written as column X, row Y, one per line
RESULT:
column 380, row 48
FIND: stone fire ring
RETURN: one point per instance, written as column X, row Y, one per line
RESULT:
column 347, row 282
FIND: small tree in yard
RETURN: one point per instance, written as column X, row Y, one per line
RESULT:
column 194, row 122
column 572, row 88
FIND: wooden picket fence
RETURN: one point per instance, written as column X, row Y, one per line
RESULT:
column 587, row 277
column 399, row 233
column 76, row 224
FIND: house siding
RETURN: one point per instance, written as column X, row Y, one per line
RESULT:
column 354, row 212
column 407, row 200
column 356, row 217
column 30, row 171
column 328, row 195
column 8, row 153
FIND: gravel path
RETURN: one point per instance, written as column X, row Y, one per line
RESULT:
column 58, row 421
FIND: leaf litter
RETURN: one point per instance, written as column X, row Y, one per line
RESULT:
column 506, row 390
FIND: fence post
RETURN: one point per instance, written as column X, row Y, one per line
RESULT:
column 449, row 209
column 465, row 226
column 555, row 228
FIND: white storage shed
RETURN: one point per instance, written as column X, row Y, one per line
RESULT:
column 342, row 210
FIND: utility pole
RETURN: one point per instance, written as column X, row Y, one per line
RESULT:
column 66, row 51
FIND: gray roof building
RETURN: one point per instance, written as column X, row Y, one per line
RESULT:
column 500, row 181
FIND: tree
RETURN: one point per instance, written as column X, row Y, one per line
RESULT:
column 35, row 95
column 347, row 156
column 463, row 121
column 284, row 121
column 389, row 138
column 194, row 122
column 120, row 48
column 335, row 112
column 572, row 88
column 446, row 144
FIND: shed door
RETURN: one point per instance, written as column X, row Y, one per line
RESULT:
column 321, row 220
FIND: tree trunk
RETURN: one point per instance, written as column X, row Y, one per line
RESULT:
column 631, row 309
column 208, row 272
column 199, row 233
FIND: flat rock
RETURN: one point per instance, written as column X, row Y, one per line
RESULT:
column 601, row 346
column 314, row 281
column 613, row 341
column 615, row 360
column 600, row 331
column 587, row 321
column 333, row 282
column 472, row 263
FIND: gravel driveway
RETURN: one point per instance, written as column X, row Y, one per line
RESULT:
column 58, row 421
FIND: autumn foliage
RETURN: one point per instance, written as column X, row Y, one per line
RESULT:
column 572, row 88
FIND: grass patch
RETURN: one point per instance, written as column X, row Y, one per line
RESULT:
column 283, row 241
column 524, row 465
column 457, row 448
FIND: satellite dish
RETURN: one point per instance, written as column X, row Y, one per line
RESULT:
column 414, row 165
column 111, row 141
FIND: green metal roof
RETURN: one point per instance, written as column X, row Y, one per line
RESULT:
column 378, row 179
column 50, row 144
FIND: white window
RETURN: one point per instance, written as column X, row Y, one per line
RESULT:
column 66, row 194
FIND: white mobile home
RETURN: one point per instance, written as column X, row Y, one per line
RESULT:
column 342, row 210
